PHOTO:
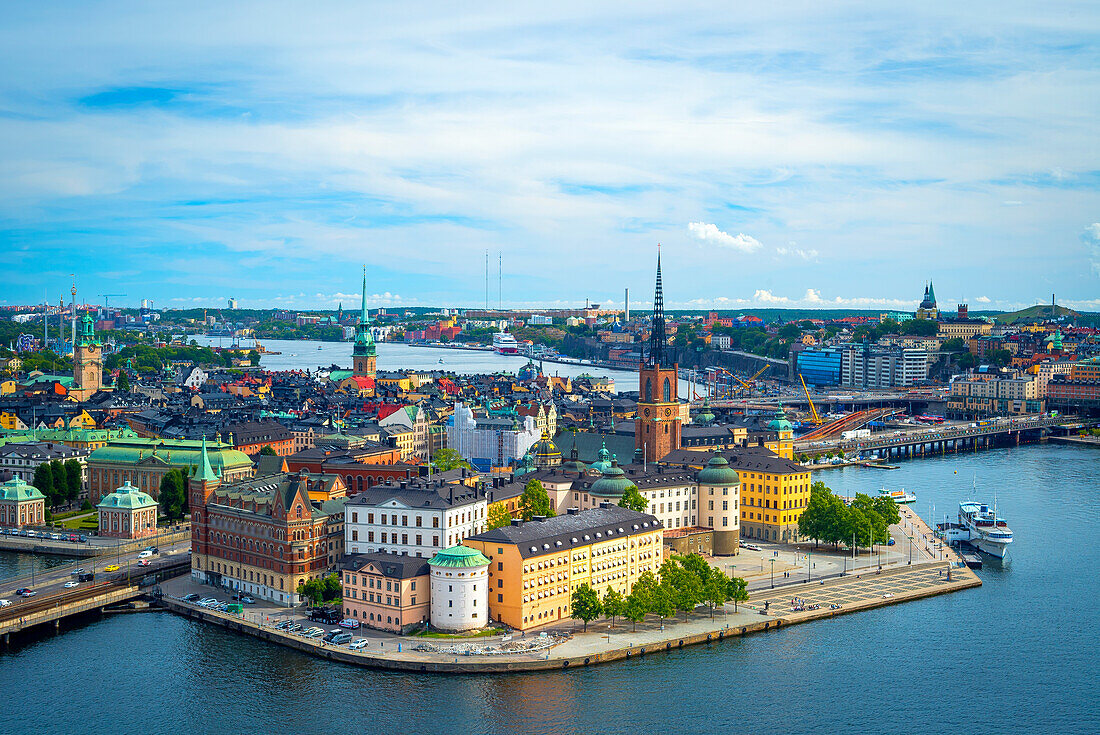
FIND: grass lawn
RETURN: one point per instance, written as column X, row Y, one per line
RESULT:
column 71, row 514
column 486, row 633
column 88, row 522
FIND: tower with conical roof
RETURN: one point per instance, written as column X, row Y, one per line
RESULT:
column 928, row 308
column 87, row 360
column 657, row 424
column 363, row 354
column 200, row 488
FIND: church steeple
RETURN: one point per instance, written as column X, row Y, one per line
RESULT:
column 657, row 336
column 364, row 353
column 657, row 423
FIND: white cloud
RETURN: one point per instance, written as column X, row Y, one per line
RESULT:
column 982, row 300
column 711, row 234
column 810, row 254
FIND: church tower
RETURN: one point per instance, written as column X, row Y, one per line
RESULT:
column 87, row 360
column 363, row 355
column 657, row 426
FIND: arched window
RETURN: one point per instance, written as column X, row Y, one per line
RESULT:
column 648, row 390
column 298, row 512
column 359, row 483
column 668, row 391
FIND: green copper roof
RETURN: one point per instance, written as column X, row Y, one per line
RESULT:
column 206, row 472
column 127, row 496
column 16, row 489
column 780, row 422
column 172, row 452
column 613, row 483
column 603, row 463
column 85, row 334
column 459, row 556
column 364, row 341
column 718, row 472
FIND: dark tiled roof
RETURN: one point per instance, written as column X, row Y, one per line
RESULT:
column 396, row 566
column 535, row 538
column 419, row 495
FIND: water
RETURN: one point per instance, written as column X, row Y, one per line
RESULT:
column 1016, row 655
column 17, row 565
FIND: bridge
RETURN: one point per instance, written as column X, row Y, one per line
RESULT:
column 945, row 439
column 850, row 422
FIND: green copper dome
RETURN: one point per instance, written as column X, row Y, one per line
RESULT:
column 602, row 464
column 780, row 422
column 705, row 417
column 718, row 473
column 127, row 496
column 459, row 556
column 612, row 484
column 16, row 489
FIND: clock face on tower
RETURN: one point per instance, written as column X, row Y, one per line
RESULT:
column 668, row 412
column 646, row 412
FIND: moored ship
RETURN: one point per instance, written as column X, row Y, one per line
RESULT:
column 505, row 344
column 987, row 532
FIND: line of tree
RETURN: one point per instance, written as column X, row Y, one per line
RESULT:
column 148, row 359
column 322, row 590
column 61, row 482
column 827, row 518
column 685, row 582
column 173, row 493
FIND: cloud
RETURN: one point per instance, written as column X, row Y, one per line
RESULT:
column 1091, row 238
column 797, row 253
column 982, row 300
column 711, row 234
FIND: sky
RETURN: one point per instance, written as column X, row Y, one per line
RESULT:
column 783, row 154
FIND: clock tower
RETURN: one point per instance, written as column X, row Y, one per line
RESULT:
column 657, row 425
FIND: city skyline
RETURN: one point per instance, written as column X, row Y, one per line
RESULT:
column 816, row 157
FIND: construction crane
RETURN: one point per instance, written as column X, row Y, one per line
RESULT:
column 813, row 410
column 107, row 298
column 758, row 373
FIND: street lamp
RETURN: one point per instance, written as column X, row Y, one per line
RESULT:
column 772, row 560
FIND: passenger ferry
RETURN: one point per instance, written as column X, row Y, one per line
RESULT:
column 987, row 532
column 505, row 344
column 901, row 497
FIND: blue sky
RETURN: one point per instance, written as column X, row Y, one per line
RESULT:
column 810, row 154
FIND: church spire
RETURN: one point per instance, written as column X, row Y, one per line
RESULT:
column 657, row 335
column 206, row 472
column 363, row 318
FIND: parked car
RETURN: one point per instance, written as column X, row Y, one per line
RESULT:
column 313, row 633
column 144, row 563
column 5, row 603
column 247, row 600
column 294, row 627
column 190, row 598
column 28, row 593
column 338, row 637
column 358, row 644
column 351, row 623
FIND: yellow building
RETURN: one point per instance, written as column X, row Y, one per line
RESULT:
column 963, row 329
column 774, row 493
column 536, row 565
column 7, row 387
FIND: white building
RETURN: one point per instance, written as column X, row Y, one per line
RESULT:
column 497, row 441
column 21, row 459
column 415, row 518
column 460, row 589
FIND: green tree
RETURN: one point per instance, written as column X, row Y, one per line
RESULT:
column 448, row 459
column 920, row 327
column 330, row 587
column 74, row 480
column 662, row 603
column 717, row 590
column 498, row 516
column 535, row 501
column 683, row 588
column 633, row 499
column 268, row 451
column 738, row 591
column 585, row 604
column 86, row 505
column 613, row 604
column 43, row 480
column 1000, row 358
column 635, row 608
column 60, row 482
column 123, row 382
column 955, row 344
column 172, row 494
column 313, row 590
column 968, row 361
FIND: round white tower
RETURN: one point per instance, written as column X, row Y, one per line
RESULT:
column 460, row 589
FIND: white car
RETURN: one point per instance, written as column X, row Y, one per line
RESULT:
column 70, row 585
column 5, row 603
column 358, row 644
column 145, row 554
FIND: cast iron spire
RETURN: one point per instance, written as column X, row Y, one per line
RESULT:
column 657, row 336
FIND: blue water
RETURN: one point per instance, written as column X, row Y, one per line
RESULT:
column 1019, row 654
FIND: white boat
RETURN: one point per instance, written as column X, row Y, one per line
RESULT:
column 987, row 532
column 901, row 497
column 505, row 344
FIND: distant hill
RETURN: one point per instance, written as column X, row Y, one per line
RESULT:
column 1037, row 313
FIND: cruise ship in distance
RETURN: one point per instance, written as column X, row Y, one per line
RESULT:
column 987, row 532
column 504, row 343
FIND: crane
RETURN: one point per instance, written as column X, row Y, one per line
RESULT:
column 106, row 299
column 758, row 373
column 813, row 410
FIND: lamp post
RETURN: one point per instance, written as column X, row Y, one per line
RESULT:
column 772, row 560
column 809, row 564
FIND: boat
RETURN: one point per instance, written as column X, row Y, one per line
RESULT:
column 986, row 531
column 318, row 346
column 901, row 497
column 505, row 344
column 441, row 361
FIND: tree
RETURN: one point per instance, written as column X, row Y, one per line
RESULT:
column 1000, row 358
column 633, row 499
column 716, row 590
column 60, row 482
column 613, row 604
column 445, row 460
column 74, row 480
column 661, row 603
column 683, row 588
column 585, row 604
column 312, row 590
column 967, row 361
column 268, row 451
column 635, row 608
column 920, row 327
column 172, row 494
column 534, row 501
column 330, row 587
column 738, row 591
column 43, row 480
column 955, row 344
column 123, row 382
column 499, row 516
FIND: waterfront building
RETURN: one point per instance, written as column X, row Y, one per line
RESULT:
column 87, row 361
column 264, row 536
column 490, row 442
column 127, row 513
column 534, row 566
column 659, row 418
column 144, row 463
column 386, row 591
column 364, row 355
column 460, row 589
column 774, row 493
column 415, row 517
column 21, row 459
column 21, row 504
column 1078, row 391
column 1000, row 393
column 868, row 366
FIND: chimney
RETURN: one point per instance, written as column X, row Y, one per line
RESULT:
column 538, row 519
column 404, row 484
column 517, row 521
column 605, row 504
column 573, row 511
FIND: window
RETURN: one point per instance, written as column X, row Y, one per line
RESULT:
column 355, row 535
column 435, row 523
column 370, row 517
column 710, row 505
column 667, row 392
column 500, row 564
column 419, row 538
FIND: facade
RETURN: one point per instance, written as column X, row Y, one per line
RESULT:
column 87, row 361
column 868, row 366
column 460, row 589
column 386, row 591
column 21, row 504
column 414, row 518
column 774, row 494
column 535, row 566
column 144, row 463
column 265, row 536
column 974, row 396
column 1080, row 390
column 820, row 366
column 495, row 442
column 21, row 459
column 659, row 420
column 127, row 513
column 963, row 328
